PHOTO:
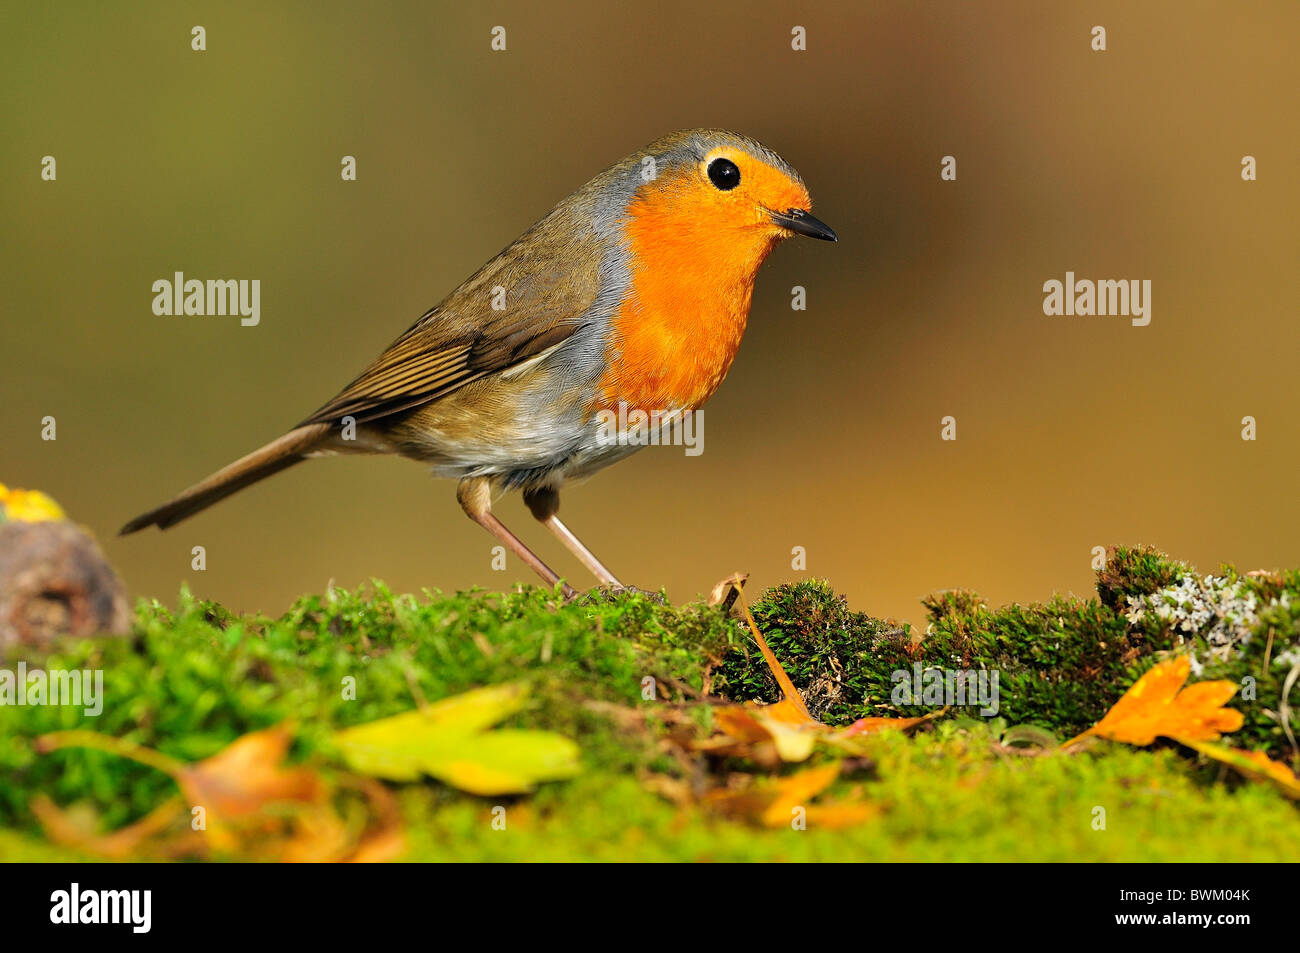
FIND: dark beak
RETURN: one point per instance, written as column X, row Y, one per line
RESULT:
column 797, row 220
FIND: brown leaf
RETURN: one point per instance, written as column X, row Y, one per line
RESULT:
column 728, row 590
column 247, row 775
column 254, row 807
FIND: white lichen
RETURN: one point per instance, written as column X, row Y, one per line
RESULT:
column 1217, row 609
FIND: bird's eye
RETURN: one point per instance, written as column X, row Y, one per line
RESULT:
column 724, row 174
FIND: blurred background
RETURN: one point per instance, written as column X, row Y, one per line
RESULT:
column 1072, row 432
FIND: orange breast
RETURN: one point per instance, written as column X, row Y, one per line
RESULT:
column 677, row 332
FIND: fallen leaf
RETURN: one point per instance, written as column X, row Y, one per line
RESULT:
column 772, row 803
column 746, row 727
column 1155, row 707
column 796, row 791
column 252, row 804
column 795, row 709
column 1252, row 764
column 248, row 774
column 728, row 590
column 449, row 741
column 869, row 726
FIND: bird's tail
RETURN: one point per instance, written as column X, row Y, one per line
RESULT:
column 277, row 455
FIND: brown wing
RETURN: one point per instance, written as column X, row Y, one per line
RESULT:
column 551, row 277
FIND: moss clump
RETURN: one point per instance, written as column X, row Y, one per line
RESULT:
column 1260, row 664
column 1060, row 664
column 1135, row 571
column 830, row 652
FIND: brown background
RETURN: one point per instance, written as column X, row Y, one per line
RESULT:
column 1072, row 432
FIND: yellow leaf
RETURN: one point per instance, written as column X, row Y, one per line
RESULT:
column 449, row 740
column 794, row 742
column 790, row 695
column 796, row 791
column 1252, row 764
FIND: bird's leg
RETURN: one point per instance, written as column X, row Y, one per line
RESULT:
column 475, row 496
column 545, row 503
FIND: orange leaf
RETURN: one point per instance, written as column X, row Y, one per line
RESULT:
column 869, row 726
column 1155, row 707
column 796, row 791
column 248, row 774
column 739, row 725
column 385, row 838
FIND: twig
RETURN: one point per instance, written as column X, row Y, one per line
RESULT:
column 787, row 687
column 118, row 746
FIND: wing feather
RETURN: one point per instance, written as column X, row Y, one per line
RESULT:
column 552, row 281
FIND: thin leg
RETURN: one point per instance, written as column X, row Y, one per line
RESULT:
column 475, row 496
column 545, row 503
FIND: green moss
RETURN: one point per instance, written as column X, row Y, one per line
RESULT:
column 1060, row 664
column 1134, row 571
column 18, row 848
column 830, row 652
column 952, row 795
column 191, row 680
column 949, row 797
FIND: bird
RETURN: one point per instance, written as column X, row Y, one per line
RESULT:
column 633, row 292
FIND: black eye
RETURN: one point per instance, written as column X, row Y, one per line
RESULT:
column 724, row 174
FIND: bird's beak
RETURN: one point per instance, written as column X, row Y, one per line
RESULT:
column 797, row 220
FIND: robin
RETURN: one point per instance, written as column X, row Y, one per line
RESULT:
column 633, row 292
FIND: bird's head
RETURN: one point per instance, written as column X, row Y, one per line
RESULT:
column 719, row 198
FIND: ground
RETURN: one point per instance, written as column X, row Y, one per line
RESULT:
column 962, row 786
